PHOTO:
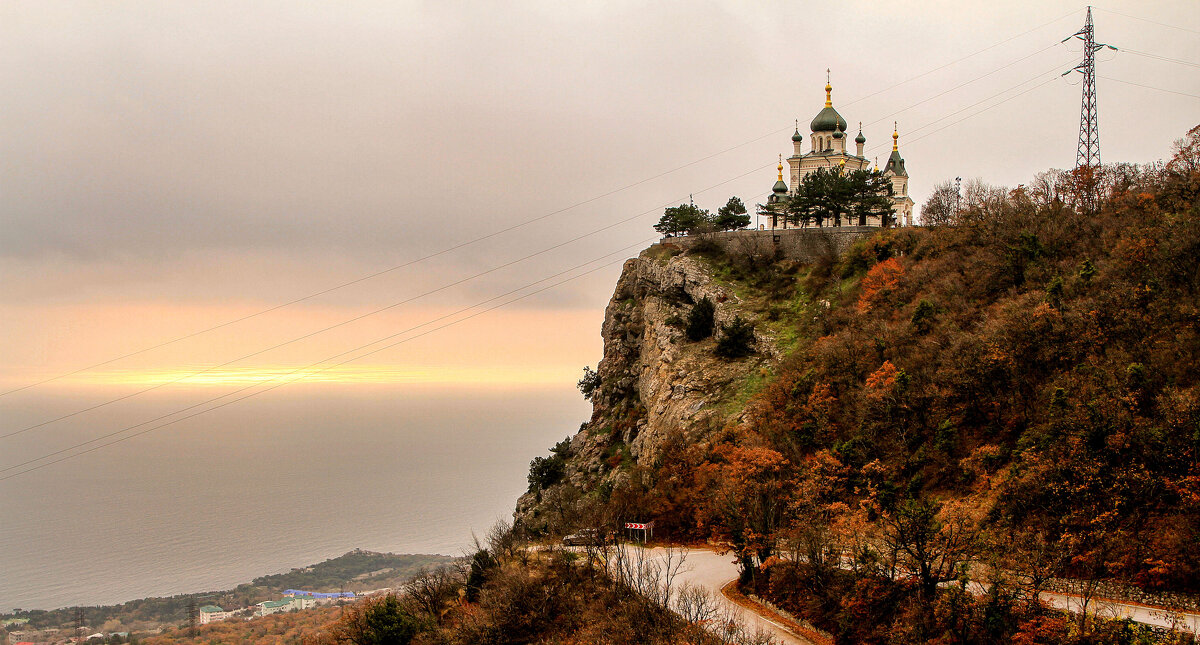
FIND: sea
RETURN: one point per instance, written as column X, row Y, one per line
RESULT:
column 282, row 480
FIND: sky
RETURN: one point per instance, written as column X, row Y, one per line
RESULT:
column 170, row 167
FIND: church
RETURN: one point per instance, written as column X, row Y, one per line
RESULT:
column 827, row 149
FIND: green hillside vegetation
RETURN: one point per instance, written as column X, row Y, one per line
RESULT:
column 354, row 571
column 1010, row 396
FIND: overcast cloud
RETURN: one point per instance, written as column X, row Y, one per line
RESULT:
column 254, row 152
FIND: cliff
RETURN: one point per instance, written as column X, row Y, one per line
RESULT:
column 652, row 381
column 1031, row 371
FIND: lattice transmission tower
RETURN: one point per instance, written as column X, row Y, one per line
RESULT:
column 1088, row 153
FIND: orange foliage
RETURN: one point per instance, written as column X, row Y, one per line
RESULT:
column 884, row 378
column 821, row 402
column 881, row 280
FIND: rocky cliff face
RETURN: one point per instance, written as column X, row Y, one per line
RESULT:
column 653, row 381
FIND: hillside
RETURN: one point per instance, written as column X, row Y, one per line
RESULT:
column 1012, row 395
column 507, row 594
column 356, row 571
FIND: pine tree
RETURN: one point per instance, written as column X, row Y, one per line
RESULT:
column 830, row 197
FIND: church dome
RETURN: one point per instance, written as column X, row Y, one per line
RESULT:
column 797, row 136
column 837, row 134
column 860, row 138
column 779, row 190
column 826, row 120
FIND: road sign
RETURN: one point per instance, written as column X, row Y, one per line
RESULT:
column 647, row 528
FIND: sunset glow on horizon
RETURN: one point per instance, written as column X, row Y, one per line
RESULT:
column 277, row 375
column 517, row 347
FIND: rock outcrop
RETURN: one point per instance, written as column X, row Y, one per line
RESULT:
column 653, row 381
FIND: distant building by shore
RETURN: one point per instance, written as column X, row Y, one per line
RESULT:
column 320, row 597
column 287, row 604
column 212, row 614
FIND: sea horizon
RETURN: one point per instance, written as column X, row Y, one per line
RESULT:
column 285, row 481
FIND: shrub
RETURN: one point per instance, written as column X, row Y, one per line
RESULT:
column 383, row 621
column 700, row 320
column 706, row 246
column 737, row 339
column 923, row 315
column 545, row 472
column 589, row 383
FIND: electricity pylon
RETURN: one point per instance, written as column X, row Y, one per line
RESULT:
column 1088, row 152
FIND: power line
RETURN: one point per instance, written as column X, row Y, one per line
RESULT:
column 326, row 368
column 361, row 316
column 975, row 114
column 959, row 60
column 474, row 276
column 1151, row 87
column 960, row 85
column 495, row 233
column 1153, row 22
column 278, row 385
column 1168, row 59
column 193, row 374
column 392, row 268
column 911, row 139
column 325, row 360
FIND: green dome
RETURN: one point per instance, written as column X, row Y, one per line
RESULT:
column 827, row 119
column 797, row 136
column 860, row 138
column 837, row 134
column 779, row 187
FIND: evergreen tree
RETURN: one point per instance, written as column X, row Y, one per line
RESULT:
column 589, row 383
column 830, row 197
column 732, row 216
column 700, row 320
column 684, row 218
column 736, row 340
column 383, row 621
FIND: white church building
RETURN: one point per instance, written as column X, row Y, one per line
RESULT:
column 827, row 149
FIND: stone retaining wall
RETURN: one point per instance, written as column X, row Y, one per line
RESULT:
column 1113, row 590
column 799, row 244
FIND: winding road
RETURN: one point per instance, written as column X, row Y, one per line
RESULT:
column 712, row 572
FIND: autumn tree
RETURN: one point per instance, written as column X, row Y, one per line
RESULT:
column 1185, row 158
column 931, row 540
column 748, row 503
column 941, row 208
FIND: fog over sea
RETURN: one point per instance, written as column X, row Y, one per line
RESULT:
column 281, row 480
